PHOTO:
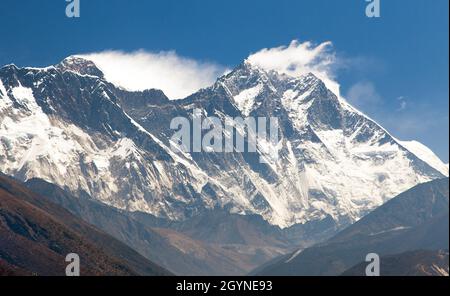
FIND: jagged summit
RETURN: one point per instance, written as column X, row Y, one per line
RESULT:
column 80, row 65
column 9, row 66
column 75, row 64
column 252, row 88
column 247, row 64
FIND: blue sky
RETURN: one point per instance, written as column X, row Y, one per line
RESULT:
column 395, row 68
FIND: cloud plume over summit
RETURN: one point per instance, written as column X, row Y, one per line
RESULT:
column 300, row 58
column 177, row 76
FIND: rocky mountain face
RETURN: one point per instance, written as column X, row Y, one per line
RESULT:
column 417, row 219
column 67, row 125
column 217, row 244
column 36, row 235
column 213, row 243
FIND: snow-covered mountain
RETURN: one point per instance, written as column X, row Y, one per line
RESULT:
column 66, row 124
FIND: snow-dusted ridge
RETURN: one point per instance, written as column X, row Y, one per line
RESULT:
column 68, row 125
column 425, row 154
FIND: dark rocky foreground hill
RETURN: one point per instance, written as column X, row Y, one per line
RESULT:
column 36, row 235
column 412, row 263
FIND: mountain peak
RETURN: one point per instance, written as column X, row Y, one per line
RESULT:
column 9, row 66
column 247, row 68
column 310, row 76
column 80, row 65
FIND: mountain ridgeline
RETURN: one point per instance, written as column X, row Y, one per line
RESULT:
column 105, row 154
column 66, row 124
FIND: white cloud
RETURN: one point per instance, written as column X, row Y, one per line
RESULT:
column 177, row 76
column 363, row 94
column 298, row 59
column 402, row 102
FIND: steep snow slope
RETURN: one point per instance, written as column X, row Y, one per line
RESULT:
column 67, row 125
column 108, row 156
column 425, row 154
column 334, row 160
